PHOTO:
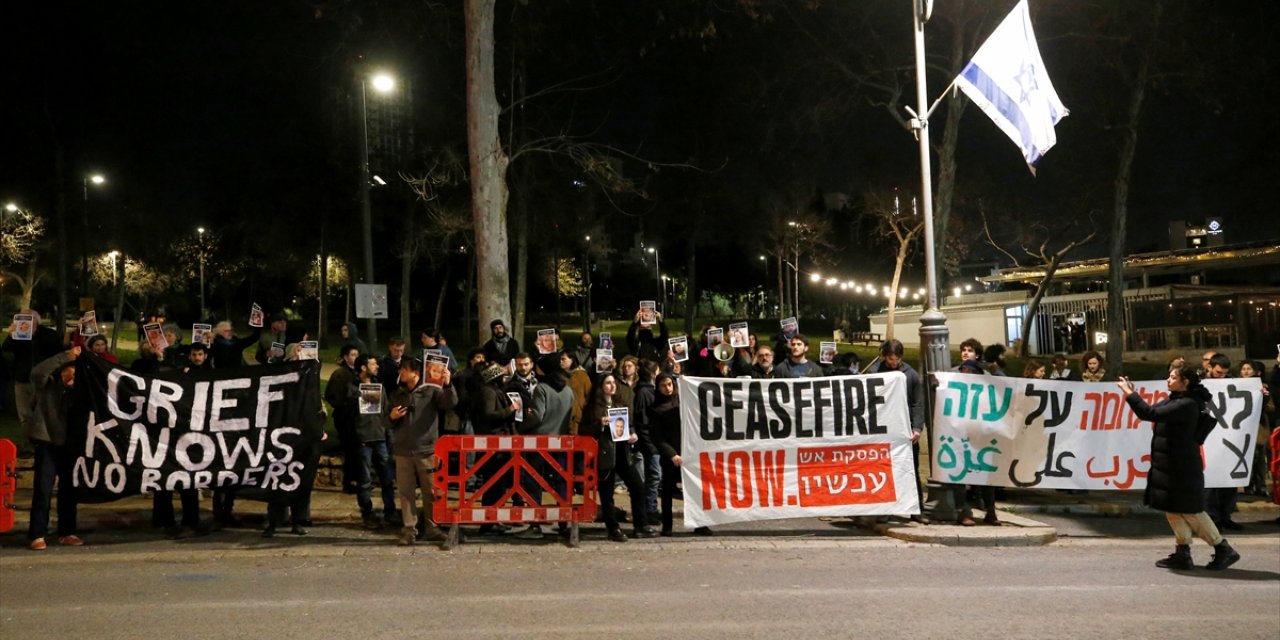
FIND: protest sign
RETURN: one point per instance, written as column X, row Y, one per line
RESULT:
column 648, row 313
column 434, row 367
column 792, row 448
column 256, row 316
column 620, row 424
column 739, row 336
column 24, row 325
column 679, row 348
column 155, row 337
column 370, row 398
column 204, row 333
column 309, row 350
column 255, row 428
column 604, row 360
column 606, row 341
column 714, row 337
column 89, row 324
column 518, row 401
column 790, row 328
column 1054, row 434
column 546, row 341
column 826, row 352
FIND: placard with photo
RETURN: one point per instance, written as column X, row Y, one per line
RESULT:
column 309, row 350
column 155, row 337
column 790, row 328
column 24, row 326
column 434, row 368
column 619, row 424
column 739, row 336
column 714, row 337
column 89, row 324
column 370, row 399
column 256, row 316
column 606, row 340
column 204, row 333
column 518, row 401
column 648, row 313
column 604, row 360
column 826, row 352
column 546, row 341
column 679, row 348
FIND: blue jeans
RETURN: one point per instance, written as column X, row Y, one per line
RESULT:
column 652, row 481
column 375, row 459
column 52, row 462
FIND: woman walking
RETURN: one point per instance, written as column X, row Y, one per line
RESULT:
column 1176, row 481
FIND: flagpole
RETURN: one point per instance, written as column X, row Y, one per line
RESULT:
column 935, row 353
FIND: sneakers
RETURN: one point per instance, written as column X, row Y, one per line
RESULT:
column 38, row 545
column 1179, row 559
column 407, row 536
column 1223, row 557
column 534, row 532
column 74, row 541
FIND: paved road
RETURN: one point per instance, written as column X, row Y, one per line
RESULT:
column 863, row 587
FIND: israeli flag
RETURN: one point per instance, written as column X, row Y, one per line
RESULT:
column 1008, row 81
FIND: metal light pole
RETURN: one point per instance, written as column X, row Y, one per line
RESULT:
column 657, row 280
column 117, row 262
column 586, row 261
column 96, row 179
column 935, row 352
column 382, row 83
column 203, row 314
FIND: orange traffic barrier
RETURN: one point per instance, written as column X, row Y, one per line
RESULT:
column 8, row 483
column 523, row 469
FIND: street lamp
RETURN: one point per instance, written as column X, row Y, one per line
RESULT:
column 382, row 83
column 200, row 232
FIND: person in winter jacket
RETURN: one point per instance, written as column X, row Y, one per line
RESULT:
column 1175, row 484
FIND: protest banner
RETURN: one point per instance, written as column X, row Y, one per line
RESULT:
column 256, row 428
column 795, row 447
column 1054, row 434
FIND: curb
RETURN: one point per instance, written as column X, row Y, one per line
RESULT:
column 1016, row 531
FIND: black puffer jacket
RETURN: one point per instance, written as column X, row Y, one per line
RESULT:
column 1176, row 481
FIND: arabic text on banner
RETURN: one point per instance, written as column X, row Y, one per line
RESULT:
column 255, row 428
column 1016, row 432
column 793, row 448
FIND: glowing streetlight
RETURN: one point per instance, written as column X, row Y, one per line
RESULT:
column 383, row 83
column 11, row 207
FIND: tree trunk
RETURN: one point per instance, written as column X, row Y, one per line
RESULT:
column 893, row 291
column 466, row 298
column 1034, row 305
column 520, row 231
column 444, row 287
column 1119, row 224
column 115, row 328
column 782, row 294
column 691, row 288
column 322, row 318
column 407, row 253
column 947, row 166
column 488, row 169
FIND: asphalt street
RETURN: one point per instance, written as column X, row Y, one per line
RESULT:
column 817, row 588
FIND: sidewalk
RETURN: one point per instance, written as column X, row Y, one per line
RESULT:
column 336, row 518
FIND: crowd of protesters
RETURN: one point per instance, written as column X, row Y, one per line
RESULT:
column 500, row 388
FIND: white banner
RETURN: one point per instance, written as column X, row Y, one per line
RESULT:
column 1016, row 432
column 795, row 448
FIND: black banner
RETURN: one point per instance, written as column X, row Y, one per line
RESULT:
column 255, row 428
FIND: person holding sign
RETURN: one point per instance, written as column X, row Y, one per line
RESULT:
column 1176, row 481
column 40, row 344
column 414, row 415
column 641, row 340
column 54, row 381
column 614, row 457
column 664, row 428
column 228, row 350
column 375, row 460
column 891, row 360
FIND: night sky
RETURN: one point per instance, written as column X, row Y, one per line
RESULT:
column 236, row 114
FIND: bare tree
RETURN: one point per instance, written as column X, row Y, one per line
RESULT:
column 1036, row 241
column 898, row 228
column 21, row 234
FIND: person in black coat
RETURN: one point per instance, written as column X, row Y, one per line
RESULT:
column 1176, row 481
